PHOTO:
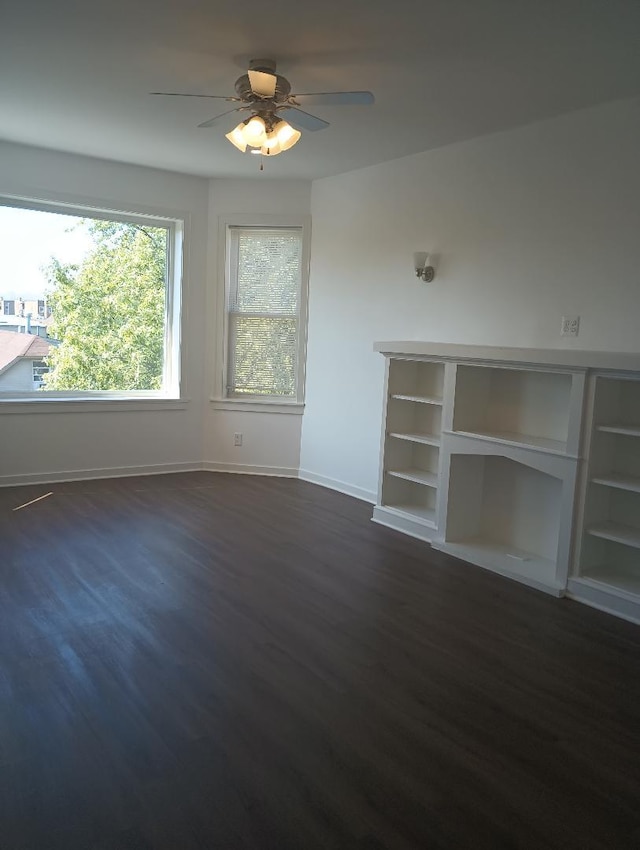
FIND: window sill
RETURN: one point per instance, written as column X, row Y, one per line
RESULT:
column 294, row 408
column 74, row 404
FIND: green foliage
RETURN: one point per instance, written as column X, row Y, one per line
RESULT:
column 108, row 313
column 265, row 355
column 264, row 307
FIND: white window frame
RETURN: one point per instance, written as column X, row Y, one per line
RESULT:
column 257, row 403
column 170, row 396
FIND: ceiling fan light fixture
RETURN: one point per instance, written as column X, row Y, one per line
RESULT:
column 236, row 137
column 272, row 146
column 263, row 93
column 255, row 132
column 287, row 136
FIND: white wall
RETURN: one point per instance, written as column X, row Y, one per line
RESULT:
column 50, row 446
column 271, row 441
column 530, row 225
column 37, row 446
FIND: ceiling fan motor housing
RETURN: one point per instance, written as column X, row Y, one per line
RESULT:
column 266, row 66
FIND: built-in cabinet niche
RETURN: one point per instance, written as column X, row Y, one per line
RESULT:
column 409, row 473
column 525, row 408
column 607, row 564
column 504, row 515
column 524, row 462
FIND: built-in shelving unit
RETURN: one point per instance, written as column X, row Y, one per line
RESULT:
column 607, row 566
column 510, row 463
column 482, row 451
column 408, row 487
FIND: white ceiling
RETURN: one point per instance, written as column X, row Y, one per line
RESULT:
column 75, row 75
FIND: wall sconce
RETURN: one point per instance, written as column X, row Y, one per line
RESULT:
column 421, row 264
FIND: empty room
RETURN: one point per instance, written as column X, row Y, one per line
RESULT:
column 319, row 425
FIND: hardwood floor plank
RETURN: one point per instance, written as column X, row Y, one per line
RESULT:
column 205, row 660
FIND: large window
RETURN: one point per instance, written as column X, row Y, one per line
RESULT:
column 101, row 291
column 265, row 313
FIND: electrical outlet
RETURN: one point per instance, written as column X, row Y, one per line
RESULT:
column 570, row 326
column 237, row 439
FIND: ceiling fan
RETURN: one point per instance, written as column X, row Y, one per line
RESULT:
column 266, row 97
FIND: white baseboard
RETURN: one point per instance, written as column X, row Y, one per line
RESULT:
column 340, row 486
column 91, row 474
column 63, row 475
column 250, row 469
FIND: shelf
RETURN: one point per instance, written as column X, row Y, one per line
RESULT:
column 425, row 439
column 416, row 380
column 530, row 568
column 620, row 482
column 526, row 441
column 527, row 408
column 614, row 579
column 618, row 533
column 416, row 512
column 420, row 399
column 419, row 476
column 626, row 430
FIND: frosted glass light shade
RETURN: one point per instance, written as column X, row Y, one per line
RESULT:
column 287, row 136
column 236, row 137
column 271, row 146
column 255, row 133
column 420, row 259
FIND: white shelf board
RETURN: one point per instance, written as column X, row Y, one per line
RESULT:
column 527, row 567
column 525, row 441
column 426, row 439
column 613, row 579
column 618, row 533
column 626, row 430
column 421, row 399
column 418, row 476
column 618, row 481
column 415, row 512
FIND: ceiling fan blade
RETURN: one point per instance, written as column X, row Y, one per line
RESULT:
column 303, row 120
column 262, row 83
column 179, row 94
column 216, row 118
column 334, row 98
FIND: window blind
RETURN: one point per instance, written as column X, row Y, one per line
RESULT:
column 264, row 311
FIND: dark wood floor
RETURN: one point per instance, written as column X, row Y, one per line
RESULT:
column 216, row 661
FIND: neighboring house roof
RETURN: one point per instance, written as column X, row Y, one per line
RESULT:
column 14, row 345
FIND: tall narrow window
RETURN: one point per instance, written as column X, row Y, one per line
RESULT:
column 264, row 298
